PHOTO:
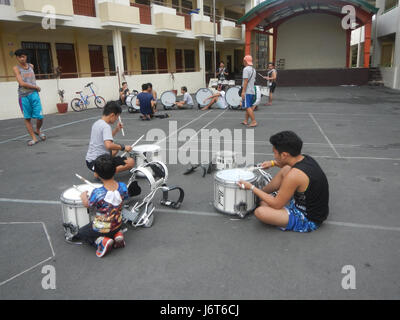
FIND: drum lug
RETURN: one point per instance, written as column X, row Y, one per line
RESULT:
column 241, row 209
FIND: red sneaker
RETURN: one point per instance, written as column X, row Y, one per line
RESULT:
column 119, row 241
column 104, row 245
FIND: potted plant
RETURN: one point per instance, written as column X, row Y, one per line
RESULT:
column 62, row 107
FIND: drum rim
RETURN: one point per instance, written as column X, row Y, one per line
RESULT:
column 202, row 89
column 232, row 183
column 136, row 107
column 157, row 148
column 226, row 94
column 75, row 201
column 165, row 105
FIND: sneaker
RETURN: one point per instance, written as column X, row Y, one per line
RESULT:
column 104, row 245
column 119, row 241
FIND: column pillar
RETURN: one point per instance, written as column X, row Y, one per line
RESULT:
column 118, row 53
column 348, row 48
column 367, row 43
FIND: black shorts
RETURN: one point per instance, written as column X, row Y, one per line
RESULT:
column 118, row 160
column 272, row 87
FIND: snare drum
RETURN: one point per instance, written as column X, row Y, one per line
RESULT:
column 149, row 152
column 168, row 99
column 264, row 91
column 225, row 160
column 232, row 97
column 74, row 214
column 130, row 101
column 228, row 197
column 258, row 96
column 203, row 94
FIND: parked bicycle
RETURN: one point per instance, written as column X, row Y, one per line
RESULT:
column 80, row 104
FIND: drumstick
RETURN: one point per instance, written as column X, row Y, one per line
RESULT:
column 122, row 129
column 84, row 180
column 261, row 75
column 133, row 145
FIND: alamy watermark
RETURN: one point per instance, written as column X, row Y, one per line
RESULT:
column 349, row 280
column 49, row 280
column 349, row 20
column 49, row 20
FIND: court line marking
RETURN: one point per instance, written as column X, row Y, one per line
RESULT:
column 38, row 264
column 51, row 128
column 213, row 214
column 176, row 131
column 195, row 135
column 323, row 133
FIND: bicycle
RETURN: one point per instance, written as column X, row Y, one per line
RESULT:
column 79, row 104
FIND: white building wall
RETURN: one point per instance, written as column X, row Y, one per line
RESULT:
column 106, row 87
column 303, row 46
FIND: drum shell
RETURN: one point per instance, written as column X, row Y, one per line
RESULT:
column 74, row 212
column 170, row 103
column 152, row 155
column 227, row 195
column 128, row 101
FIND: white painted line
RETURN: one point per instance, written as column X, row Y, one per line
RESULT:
column 51, row 128
column 326, row 138
column 25, row 271
column 176, row 131
column 197, row 213
column 364, row 226
column 30, row 201
column 48, row 239
column 195, row 135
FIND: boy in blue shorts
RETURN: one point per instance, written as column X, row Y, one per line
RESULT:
column 301, row 204
column 104, row 232
column 28, row 95
column 248, row 93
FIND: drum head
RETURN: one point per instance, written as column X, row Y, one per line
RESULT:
column 203, row 94
column 232, row 97
column 72, row 195
column 234, row 175
column 168, row 98
column 130, row 101
column 146, row 148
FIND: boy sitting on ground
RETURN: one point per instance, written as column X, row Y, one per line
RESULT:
column 187, row 101
column 105, row 231
column 217, row 98
column 146, row 102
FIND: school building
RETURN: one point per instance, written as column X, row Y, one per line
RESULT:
column 168, row 43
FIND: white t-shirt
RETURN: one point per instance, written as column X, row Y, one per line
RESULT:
column 187, row 98
column 249, row 73
column 221, row 100
column 101, row 131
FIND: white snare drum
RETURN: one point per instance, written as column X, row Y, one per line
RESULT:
column 203, row 94
column 228, row 197
column 168, row 99
column 264, row 91
column 225, row 160
column 150, row 152
column 130, row 101
column 232, row 97
column 73, row 211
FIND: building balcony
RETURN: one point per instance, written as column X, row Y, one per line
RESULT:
column 203, row 29
column 63, row 10
column 117, row 15
column 232, row 33
column 166, row 20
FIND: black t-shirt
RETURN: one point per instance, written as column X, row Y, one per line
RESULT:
column 314, row 201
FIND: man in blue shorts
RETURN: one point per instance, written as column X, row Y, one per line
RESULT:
column 248, row 92
column 301, row 203
column 146, row 102
column 28, row 96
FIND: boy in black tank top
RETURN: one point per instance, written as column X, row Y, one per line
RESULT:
column 303, row 192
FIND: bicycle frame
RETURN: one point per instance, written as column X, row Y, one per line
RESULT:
column 85, row 99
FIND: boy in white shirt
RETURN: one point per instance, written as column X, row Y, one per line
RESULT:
column 217, row 98
column 187, row 100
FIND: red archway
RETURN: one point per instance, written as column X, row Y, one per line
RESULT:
column 271, row 13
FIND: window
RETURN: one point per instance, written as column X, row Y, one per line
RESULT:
column 162, row 63
column 66, row 60
column 39, row 55
column 147, row 60
column 6, row 2
column 111, row 58
column 187, row 6
column 179, row 60
column 189, row 60
column 96, row 60
column 146, row 2
column 84, row 8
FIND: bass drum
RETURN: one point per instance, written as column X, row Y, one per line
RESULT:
column 168, row 99
column 201, row 95
column 131, row 102
column 232, row 97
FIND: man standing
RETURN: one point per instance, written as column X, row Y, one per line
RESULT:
column 28, row 94
column 248, row 92
column 271, row 77
column 301, row 204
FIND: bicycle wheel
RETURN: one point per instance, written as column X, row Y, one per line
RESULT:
column 99, row 102
column 77, row 104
